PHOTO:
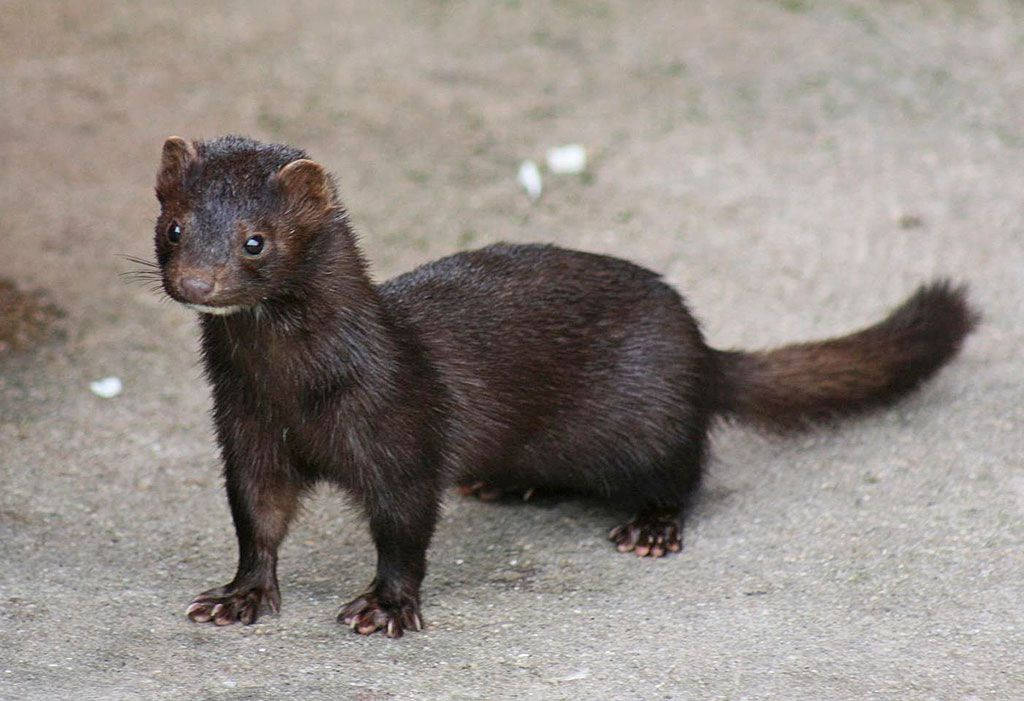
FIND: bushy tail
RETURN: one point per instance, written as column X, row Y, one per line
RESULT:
column 793, row 386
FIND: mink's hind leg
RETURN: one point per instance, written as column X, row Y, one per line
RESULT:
column 668, row 490
column 654, row 532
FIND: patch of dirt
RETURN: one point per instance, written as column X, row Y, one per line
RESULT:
column 27, row 319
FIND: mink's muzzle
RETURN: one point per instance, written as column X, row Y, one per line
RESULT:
column 196, row 288
column 202, row 290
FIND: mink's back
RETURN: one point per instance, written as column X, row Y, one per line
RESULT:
column 563, row 367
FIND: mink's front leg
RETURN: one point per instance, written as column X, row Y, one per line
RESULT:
column 401, row 531
column 263, row 499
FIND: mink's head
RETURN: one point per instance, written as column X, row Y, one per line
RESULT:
column 237, row 218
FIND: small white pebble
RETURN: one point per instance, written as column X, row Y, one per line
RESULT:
column 571, row 677
column 569, row 159
column 529, row 178
column 108, row 387
column 230, row 683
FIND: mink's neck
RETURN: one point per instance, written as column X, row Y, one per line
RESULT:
column 330, row 327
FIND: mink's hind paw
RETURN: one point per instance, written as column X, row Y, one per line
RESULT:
column 367, row 614
column 233, row 604
column 481, row 491
column 485, row 492
column 651, row 535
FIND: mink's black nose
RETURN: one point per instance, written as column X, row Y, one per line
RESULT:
column 197, row 289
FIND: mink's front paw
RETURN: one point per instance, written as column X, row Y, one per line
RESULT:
column 233, row 603
column 367, row 614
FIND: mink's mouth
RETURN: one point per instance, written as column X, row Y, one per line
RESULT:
column 215, row 303
column 218, row 311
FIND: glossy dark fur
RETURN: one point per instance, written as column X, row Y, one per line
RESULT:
column 506, row 368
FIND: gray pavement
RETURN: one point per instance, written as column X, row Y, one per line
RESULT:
column 794, row 167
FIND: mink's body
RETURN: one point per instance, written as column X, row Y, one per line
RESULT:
column 506, row 368
column 563, row 369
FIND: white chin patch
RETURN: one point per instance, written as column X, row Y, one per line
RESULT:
column 219, row 311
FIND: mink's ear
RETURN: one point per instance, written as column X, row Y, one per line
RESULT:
column 307, row 188
column 178, row 154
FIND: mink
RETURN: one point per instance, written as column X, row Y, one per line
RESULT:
column 498, row 370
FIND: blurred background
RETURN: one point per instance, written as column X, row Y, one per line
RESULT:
column 794, row 167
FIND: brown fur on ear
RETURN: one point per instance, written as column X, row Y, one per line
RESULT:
column 307, row 187
column 178, row 154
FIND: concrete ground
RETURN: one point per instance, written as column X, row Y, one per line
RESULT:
column 794, row 167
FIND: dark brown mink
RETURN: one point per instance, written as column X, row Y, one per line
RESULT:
column 503, row 369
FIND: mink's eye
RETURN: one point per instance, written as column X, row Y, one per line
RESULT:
column 174, row 232
column 253, row 245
